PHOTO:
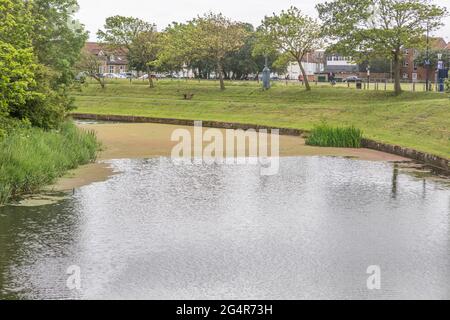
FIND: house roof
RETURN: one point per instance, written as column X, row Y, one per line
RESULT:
column 113, row 57
column 93, row 47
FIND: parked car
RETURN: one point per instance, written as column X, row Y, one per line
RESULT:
column 113, row 76
column 127, row 75
column 352, row 79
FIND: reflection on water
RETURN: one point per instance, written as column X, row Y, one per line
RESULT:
column 159, row 231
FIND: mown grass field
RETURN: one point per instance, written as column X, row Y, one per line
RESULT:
column 418, row 120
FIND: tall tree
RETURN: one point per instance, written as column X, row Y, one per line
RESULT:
column 133, row 37
column 216, row 36
column 143, row 52
column 366, row 28
column 57, row 40
column 211, row 37
column 17, row 61
column 295, row 34
column 90, row 64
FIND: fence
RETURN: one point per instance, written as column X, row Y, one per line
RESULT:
column 375, row 85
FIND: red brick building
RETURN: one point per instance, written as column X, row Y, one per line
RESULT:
column 412, row 72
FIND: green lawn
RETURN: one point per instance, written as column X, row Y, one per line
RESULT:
column 418, row 120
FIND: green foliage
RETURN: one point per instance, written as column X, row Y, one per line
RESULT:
column 379, row 28
column 16, row 23
column 136, row 38
column 31, row 158
column 17, row 76
column 325, row 135
column 38, row 50
column 210, row 38
column 294, row 34
column 122, row 31
column 57, row 41
column 433, row 57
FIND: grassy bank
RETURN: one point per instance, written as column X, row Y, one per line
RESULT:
column 418, row 120
column 33, row 158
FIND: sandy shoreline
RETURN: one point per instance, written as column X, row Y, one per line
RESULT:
column 147, row 140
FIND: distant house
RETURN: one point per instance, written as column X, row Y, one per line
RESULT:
column 115, row 61
column 410, row 70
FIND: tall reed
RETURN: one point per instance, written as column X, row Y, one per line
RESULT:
column 325, row 135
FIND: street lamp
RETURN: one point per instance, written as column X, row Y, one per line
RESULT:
column 427, row 61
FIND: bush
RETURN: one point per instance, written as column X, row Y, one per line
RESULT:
column 340, row 137
column 31, row 158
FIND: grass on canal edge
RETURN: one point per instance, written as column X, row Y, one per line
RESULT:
column 417, row 120
column 32, row 158
column 324, row 135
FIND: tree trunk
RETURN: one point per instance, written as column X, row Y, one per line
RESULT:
column 100, row 81
column 305, row 77
column 150, row 79
column 397, row 71
column 220, row 72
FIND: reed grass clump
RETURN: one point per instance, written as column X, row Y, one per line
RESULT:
column 325, row 135
column 32, row 158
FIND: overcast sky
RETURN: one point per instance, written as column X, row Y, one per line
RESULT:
column 162, row 12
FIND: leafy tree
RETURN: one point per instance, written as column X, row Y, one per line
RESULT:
column 176, row 48
column 17, row 62
column 241, row 63
column 216, row 36
column 144, row 52
column 366, row 28
column 433, row 57
column 17, row 77
column 38, row 51
column 135, row 37
column 57, row 41
column 16, row 23
column 211, row 37
column 90, row 64
column 294, row 34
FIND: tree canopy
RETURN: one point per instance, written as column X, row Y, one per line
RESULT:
column 293, row 33
column 366, row 28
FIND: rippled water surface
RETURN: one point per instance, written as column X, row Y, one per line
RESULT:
column 162, row 231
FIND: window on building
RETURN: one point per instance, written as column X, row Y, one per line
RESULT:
column 405, row 76
column 405, row 64
column 406, row 51
column 122, row 69
column 111, row 69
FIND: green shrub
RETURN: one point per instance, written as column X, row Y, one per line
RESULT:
column 341, row 137
column 32, row 158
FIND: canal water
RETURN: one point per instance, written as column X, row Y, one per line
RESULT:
column 157, row 230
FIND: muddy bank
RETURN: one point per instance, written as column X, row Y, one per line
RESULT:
column 149, row 140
